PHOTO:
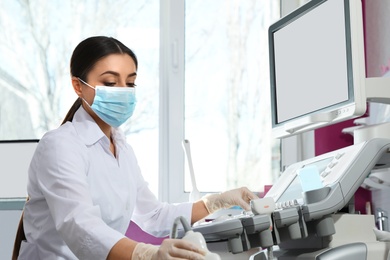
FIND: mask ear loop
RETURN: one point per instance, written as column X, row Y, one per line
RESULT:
column 83, row 82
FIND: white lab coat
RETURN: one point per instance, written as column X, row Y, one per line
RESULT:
column 82, row 198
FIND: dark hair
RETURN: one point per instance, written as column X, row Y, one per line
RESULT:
column 85, row 56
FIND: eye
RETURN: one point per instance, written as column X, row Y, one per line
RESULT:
column 131, row 85
column 109, row 84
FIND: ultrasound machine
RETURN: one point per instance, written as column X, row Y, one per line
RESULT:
column 309, row 211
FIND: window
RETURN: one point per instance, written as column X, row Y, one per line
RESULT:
column 227, row 105
column 224, row 109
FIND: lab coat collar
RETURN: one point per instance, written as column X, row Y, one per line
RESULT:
column 91, row 133
column 87, row 128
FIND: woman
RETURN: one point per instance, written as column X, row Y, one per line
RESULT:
column 84, row 182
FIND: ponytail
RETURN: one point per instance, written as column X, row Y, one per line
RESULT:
column 72, row 111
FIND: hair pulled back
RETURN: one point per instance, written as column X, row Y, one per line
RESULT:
column 85, row 56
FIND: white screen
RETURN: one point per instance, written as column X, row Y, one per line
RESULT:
column 310, row 62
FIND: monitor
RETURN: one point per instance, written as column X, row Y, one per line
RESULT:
column 317, row 66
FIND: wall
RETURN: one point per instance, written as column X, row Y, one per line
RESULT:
column 377, row 36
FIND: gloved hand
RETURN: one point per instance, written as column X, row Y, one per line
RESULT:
column 237, row 197
column 169, row 249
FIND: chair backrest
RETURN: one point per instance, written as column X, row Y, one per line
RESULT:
column 20, row 236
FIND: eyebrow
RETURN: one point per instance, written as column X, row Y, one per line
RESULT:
column 117, row 74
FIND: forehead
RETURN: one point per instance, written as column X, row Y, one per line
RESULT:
column 121, row 63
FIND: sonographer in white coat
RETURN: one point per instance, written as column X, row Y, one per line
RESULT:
column 84, row 182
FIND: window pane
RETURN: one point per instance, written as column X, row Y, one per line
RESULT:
column 227, row 100
column 36, row 41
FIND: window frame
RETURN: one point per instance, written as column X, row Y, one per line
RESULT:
column 171, row 122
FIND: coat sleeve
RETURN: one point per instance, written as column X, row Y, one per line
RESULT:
column 151, row 215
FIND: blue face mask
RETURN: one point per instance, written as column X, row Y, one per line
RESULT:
column 114, row 105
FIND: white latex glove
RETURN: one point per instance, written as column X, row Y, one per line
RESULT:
column 237, row 197
column 169, row 249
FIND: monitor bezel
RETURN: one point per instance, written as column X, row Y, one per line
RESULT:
column 356, row 104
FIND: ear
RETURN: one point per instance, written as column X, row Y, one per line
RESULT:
column 77, row 86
